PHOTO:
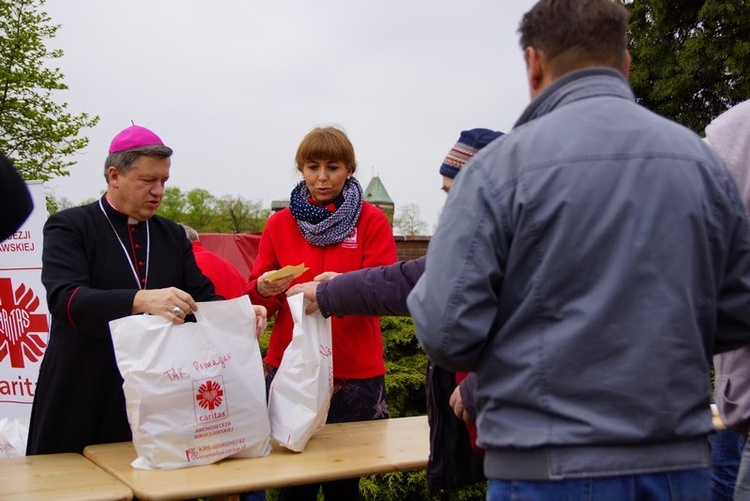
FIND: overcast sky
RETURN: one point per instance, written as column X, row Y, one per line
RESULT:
column 233, row 86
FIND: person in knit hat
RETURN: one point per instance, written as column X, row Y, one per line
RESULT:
column 468, row 144
column 102, row 261
column 453, row 461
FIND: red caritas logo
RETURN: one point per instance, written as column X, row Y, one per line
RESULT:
column 20, row 326
column 210, row 395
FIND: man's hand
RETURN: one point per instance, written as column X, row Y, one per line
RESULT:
column 458, row 406
column 309, row 290
column 172, row 303
column 326, row 276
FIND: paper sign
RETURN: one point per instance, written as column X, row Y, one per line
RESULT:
column 286, row 271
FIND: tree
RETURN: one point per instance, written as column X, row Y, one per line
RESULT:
column 691, row 59
column 409, row 221
column 206, row 213
column 173, row 204
column 239, row 215
column 200, row 208
column 37, row 133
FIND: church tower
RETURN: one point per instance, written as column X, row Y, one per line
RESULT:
column 377, row 195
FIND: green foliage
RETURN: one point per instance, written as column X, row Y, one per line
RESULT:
column 406, row 367
column 405, row 389
column 396, row 486
column 200, row 209
column 263, row 341
column 405, row 386
column 206, row 213
column 239, row 214
column 691, row 59
column 173, row 204
column 37, row 133
column 200, row 205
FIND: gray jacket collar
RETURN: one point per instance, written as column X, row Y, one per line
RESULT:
column 579, row 84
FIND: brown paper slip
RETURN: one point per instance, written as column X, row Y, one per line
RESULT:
column 286, row 271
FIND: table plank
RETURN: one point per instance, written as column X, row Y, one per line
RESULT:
column 337, row 451
column 58, row 476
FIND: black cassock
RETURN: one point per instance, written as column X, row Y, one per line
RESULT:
column 89, row 279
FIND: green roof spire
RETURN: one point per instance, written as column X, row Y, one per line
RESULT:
column 375, row 193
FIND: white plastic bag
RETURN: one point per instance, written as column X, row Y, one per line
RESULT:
column 195, row 392
column 13, row 435
column 301, row 390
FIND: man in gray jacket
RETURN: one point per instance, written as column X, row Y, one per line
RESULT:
column 586, row 266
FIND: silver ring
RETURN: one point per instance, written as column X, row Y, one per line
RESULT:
column 176, row 311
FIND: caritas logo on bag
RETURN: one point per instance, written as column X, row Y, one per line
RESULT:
column 210, row 403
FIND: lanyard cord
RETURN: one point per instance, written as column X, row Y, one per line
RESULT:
column 130, row 261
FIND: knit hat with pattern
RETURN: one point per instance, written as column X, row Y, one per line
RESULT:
column 468, row 144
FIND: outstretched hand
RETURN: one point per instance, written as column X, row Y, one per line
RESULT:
column 309, row 290
column 326, row 276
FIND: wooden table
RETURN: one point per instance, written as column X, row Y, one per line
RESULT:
column 338, row 451
column 59, row 477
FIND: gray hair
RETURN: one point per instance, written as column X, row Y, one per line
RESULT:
column 190, row 233
column 124, row 160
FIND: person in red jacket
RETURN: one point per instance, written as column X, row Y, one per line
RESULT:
column 328, row 227
column 228, row 282
column 455, row 460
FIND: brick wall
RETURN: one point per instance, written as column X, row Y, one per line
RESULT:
column 411, row 247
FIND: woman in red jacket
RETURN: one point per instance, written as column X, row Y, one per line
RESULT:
column 328, row 227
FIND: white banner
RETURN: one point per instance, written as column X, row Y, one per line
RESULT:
column 24, row 316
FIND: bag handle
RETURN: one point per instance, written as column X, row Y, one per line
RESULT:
column 240, row 305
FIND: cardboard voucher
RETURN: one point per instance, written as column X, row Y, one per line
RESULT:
column 286, row 271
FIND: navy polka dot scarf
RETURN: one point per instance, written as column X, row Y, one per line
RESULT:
column 320, row 226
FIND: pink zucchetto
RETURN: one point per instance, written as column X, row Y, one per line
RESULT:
column 134, row 136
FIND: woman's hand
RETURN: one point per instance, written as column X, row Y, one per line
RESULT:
column 261, row 320
column 268, row 288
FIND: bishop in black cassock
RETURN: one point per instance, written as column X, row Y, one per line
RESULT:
column 103, row 261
